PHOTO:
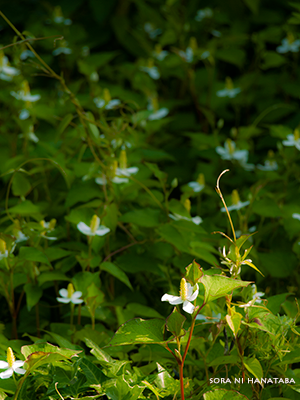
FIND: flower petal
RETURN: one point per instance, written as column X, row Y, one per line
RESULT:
column 63, row 293
column 3, row 364
column 102, row 230
column 76, row 294
column 172, row 299
column 83, row 228
column 18, row 364
column 76, row 301
column 6, row 374
column 188, row 307
column 63, row 300
column 195, row 294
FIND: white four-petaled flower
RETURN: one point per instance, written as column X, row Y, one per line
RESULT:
column 293, row 140
column 95, row 229
column 69, row 295
column 11, row 365
column 187, row 294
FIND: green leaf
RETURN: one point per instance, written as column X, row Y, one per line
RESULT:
column 278, row 264
column 92, row 127
column 64, row 123
column 32, row 254
column 26, row 208
column 254, row 367
column 160, row 175
column 143, row 311
column 139, row 331
column 116, row 272
column 272, row 60
column 47, row 348
column 193, row 272
column 225, row 359
column 218, row 286
column 20, row 185
column 93, row 374
column 174, row 323
column 234, row 322
column 266, row 208
column 33, row 295
column 223, row 394
column 253, row 5
column 52, row 276
column 146, row 217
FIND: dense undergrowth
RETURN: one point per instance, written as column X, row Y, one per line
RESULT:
column 116, row 121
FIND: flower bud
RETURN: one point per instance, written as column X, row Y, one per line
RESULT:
column 10, row 357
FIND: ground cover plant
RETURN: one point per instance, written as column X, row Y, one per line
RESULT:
column 150, row 222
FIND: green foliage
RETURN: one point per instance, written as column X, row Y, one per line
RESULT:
column 116, row 120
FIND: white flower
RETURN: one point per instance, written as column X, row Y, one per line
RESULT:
column 256, row 298
column 25, row 94
column 61, row 50
column 69, row 295
column 187, row 294
column 204, row 13
column 11, row 365
column 160, row 56
column 152, row 32
column 187, row 55
column 95, row 229
column 216, row 33
column 25, row 54
column 296, row 216
column 49, row 226
column 196, row 186
column 288, row 44
column 117, row 180
column 151, row 71
column 176, row 217
column 29, row 135
column 110, row 105
column 3, row 249
column 231, row 93
column 126, row 171
column 229, row 90
column 236, row 202
column 6, row 72
column 159, row 114
column 24, row 114
column 270, row 165
column 293, row 140
column 229, row 152
column 205, row 55
column 20, row 236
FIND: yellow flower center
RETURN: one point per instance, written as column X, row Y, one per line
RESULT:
column 2, row 246
column 123, row 159
column 106, row 96
column 154, row 102
column 235, row 198
column 158, row 48
column 10, row 357
column 296, row 134
column 150, row 62
column 52, row 224
column 228, row 83
column 270, row 154
column 70, row 290
column 26, row 88
column 193, row 43
column 183, row 289
column 187, row 204
column 1, row 59
column 201, row 179
column 290, row 38
column 230, row 145
column 95, row 223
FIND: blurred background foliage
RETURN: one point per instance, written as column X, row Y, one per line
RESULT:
column 180, row 90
